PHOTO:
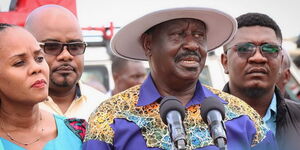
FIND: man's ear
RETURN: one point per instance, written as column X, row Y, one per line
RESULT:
column 224, row 61
column 146, row 43
column 287, row 76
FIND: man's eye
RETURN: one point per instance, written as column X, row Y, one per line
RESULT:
column 178, row 33
column 198, row 35
column 245, row 47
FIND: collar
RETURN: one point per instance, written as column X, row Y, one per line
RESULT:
column 149, row 94
column 78, row 90
column 226, row 88
column 272, row 110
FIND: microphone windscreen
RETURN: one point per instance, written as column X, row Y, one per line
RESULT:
column 211, row 103
column 169, row 103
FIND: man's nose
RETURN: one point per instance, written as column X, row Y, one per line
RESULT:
column 257, row 56
column 190, row 43
column 65, row 55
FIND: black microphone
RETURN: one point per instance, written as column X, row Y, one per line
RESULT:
column 172, row 113
column 213, row 113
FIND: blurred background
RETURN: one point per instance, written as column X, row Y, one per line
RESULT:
column 101, row 19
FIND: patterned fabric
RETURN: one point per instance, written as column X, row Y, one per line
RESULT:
column 154, row 131
column 236, row 107
column 78, row 126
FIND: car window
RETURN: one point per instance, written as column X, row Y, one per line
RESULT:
column 96, row 76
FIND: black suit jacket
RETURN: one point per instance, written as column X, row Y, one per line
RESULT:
column 287, row 121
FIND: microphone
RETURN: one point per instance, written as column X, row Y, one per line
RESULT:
column 172, row 113
column 213, row 113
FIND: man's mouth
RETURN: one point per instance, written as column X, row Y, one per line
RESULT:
column 190, row 61
column 65, row 68
column 257, row 71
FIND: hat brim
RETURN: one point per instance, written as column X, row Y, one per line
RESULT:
column 220, row 26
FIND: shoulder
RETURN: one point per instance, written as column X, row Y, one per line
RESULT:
column 292, row 107
column 292, row 104
column 77, row 126
column 236, row 107
column 99, row 122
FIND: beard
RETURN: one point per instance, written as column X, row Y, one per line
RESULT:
column 65, row 83
column 254, row 92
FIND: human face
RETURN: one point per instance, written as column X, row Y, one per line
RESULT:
column 285, row 74
column 133, row 74
column 256, row 71
column 65, row 68
column 24, row 72
column 177, row 50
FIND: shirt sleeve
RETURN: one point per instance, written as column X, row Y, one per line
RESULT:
column 269, row 142
column 96, row 145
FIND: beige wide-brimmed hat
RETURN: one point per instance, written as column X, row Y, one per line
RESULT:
column 220, row 26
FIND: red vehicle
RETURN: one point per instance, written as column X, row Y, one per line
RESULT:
column 18, row 10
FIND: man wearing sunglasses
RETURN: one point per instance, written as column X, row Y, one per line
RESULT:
column 253, row 61
column 60, row 37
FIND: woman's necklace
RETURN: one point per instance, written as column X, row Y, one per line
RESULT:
column 18, row 142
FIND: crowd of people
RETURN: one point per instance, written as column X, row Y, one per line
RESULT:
column 44, row 105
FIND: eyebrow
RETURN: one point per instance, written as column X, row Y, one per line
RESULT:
column 52, row 40
column 55, row 40
column 36, row 52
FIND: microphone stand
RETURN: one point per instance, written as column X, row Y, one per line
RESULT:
column 220, row 136
column 180, row 145
column 178, row 142
column 221, row 144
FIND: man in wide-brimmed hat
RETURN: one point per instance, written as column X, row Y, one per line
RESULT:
column 175, row 42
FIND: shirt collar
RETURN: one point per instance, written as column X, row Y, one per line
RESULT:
column 272, row 110
column 78, row 90
column 149, row 94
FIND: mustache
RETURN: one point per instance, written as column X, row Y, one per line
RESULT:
column 64, row 66
column 185, row 54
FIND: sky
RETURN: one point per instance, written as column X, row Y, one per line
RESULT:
column 99, row 13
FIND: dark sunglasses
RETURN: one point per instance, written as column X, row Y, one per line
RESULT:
column 247, row 50
column 55, row 48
